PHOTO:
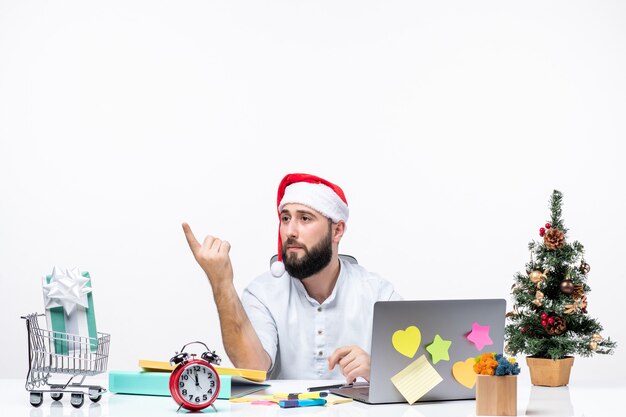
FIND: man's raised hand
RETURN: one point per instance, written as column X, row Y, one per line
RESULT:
column 212, row 256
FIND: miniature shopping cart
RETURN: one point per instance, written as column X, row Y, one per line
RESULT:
column 51, row 352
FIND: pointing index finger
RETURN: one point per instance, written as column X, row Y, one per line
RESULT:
column 191, row 239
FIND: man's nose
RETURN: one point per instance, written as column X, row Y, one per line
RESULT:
column 292, row 229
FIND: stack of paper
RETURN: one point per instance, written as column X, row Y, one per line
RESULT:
column 155, row 379
column 160, row 366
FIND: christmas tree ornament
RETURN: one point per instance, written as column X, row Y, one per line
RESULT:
column 567, row 286
column 542, row 231
column 538, row 298
column 595, row 339
column 513, row 312
column 584, row 267
column 538, row 277
column 576, row 306
column 579, row 291
column 556, row 326
column 554, row 239
column 548, row 225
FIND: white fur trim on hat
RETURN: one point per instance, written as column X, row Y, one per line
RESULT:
column 318, row 197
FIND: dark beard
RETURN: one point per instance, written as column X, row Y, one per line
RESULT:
column 312, row 262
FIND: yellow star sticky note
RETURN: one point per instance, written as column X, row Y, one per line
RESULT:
column 438, row 349
column 416, row 379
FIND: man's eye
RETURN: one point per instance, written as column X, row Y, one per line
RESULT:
column 306, row 218
column 285, row 219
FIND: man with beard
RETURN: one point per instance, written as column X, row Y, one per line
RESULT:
column 310, row 317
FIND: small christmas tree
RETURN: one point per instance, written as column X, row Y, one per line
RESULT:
column 550, row 317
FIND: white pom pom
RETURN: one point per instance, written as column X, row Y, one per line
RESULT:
column 277, row 269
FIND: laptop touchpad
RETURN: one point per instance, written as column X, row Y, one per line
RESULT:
column 358, row 393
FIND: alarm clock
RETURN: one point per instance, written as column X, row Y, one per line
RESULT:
column 194, row 383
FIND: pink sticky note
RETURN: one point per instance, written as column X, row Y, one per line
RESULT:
column 480, row 336
column 263, row 402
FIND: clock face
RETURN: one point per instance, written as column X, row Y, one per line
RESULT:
column 198, row 384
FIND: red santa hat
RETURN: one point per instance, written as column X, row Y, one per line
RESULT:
column 311, row 191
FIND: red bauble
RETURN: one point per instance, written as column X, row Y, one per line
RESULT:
column 550, row 320
column 524, row 329
column 544, row 316
column 543, row 323
column 548, row 225
column 542, row 232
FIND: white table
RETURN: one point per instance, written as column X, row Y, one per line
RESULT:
column 576, row 400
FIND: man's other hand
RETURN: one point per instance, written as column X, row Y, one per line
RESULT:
column 212, row 256
column 353, row 361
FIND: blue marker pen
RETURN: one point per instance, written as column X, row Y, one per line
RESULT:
column 302, row 403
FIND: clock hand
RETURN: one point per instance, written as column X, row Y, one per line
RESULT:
column 197, row 382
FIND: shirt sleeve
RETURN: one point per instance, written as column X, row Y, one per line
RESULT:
column 262, row 322
column 387, row 293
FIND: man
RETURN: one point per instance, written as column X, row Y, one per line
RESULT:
column 311, row 317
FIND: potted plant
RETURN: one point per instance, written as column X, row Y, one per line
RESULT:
column 550, row 321
column 496, row 385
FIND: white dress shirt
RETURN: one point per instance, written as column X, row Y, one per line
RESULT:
column 299, row 333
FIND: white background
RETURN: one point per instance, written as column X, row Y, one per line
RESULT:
column 447, row 123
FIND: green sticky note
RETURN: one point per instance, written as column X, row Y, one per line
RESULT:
column 438, row 349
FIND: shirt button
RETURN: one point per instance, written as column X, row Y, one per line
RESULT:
column 319, row 309
column 320, row 353
column 320, row 331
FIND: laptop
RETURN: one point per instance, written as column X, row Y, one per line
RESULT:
column 452, row 320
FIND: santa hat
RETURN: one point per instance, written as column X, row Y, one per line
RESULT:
column 311, row 191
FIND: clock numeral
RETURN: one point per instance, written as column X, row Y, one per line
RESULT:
column 184, row 392
column 197, row 399
column 181, row 384
column 212, row 383
column 210, row 375
column 210, row 391
column 196, row 367
column 204, row 397
column 185, row 377
column 190, row 397
column 188, row 371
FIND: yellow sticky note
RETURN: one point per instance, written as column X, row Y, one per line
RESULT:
column 334, row 399
column 416, row 379
column 407, row 341
column 251, row 399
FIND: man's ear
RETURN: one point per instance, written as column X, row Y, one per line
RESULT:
column 339, row 229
